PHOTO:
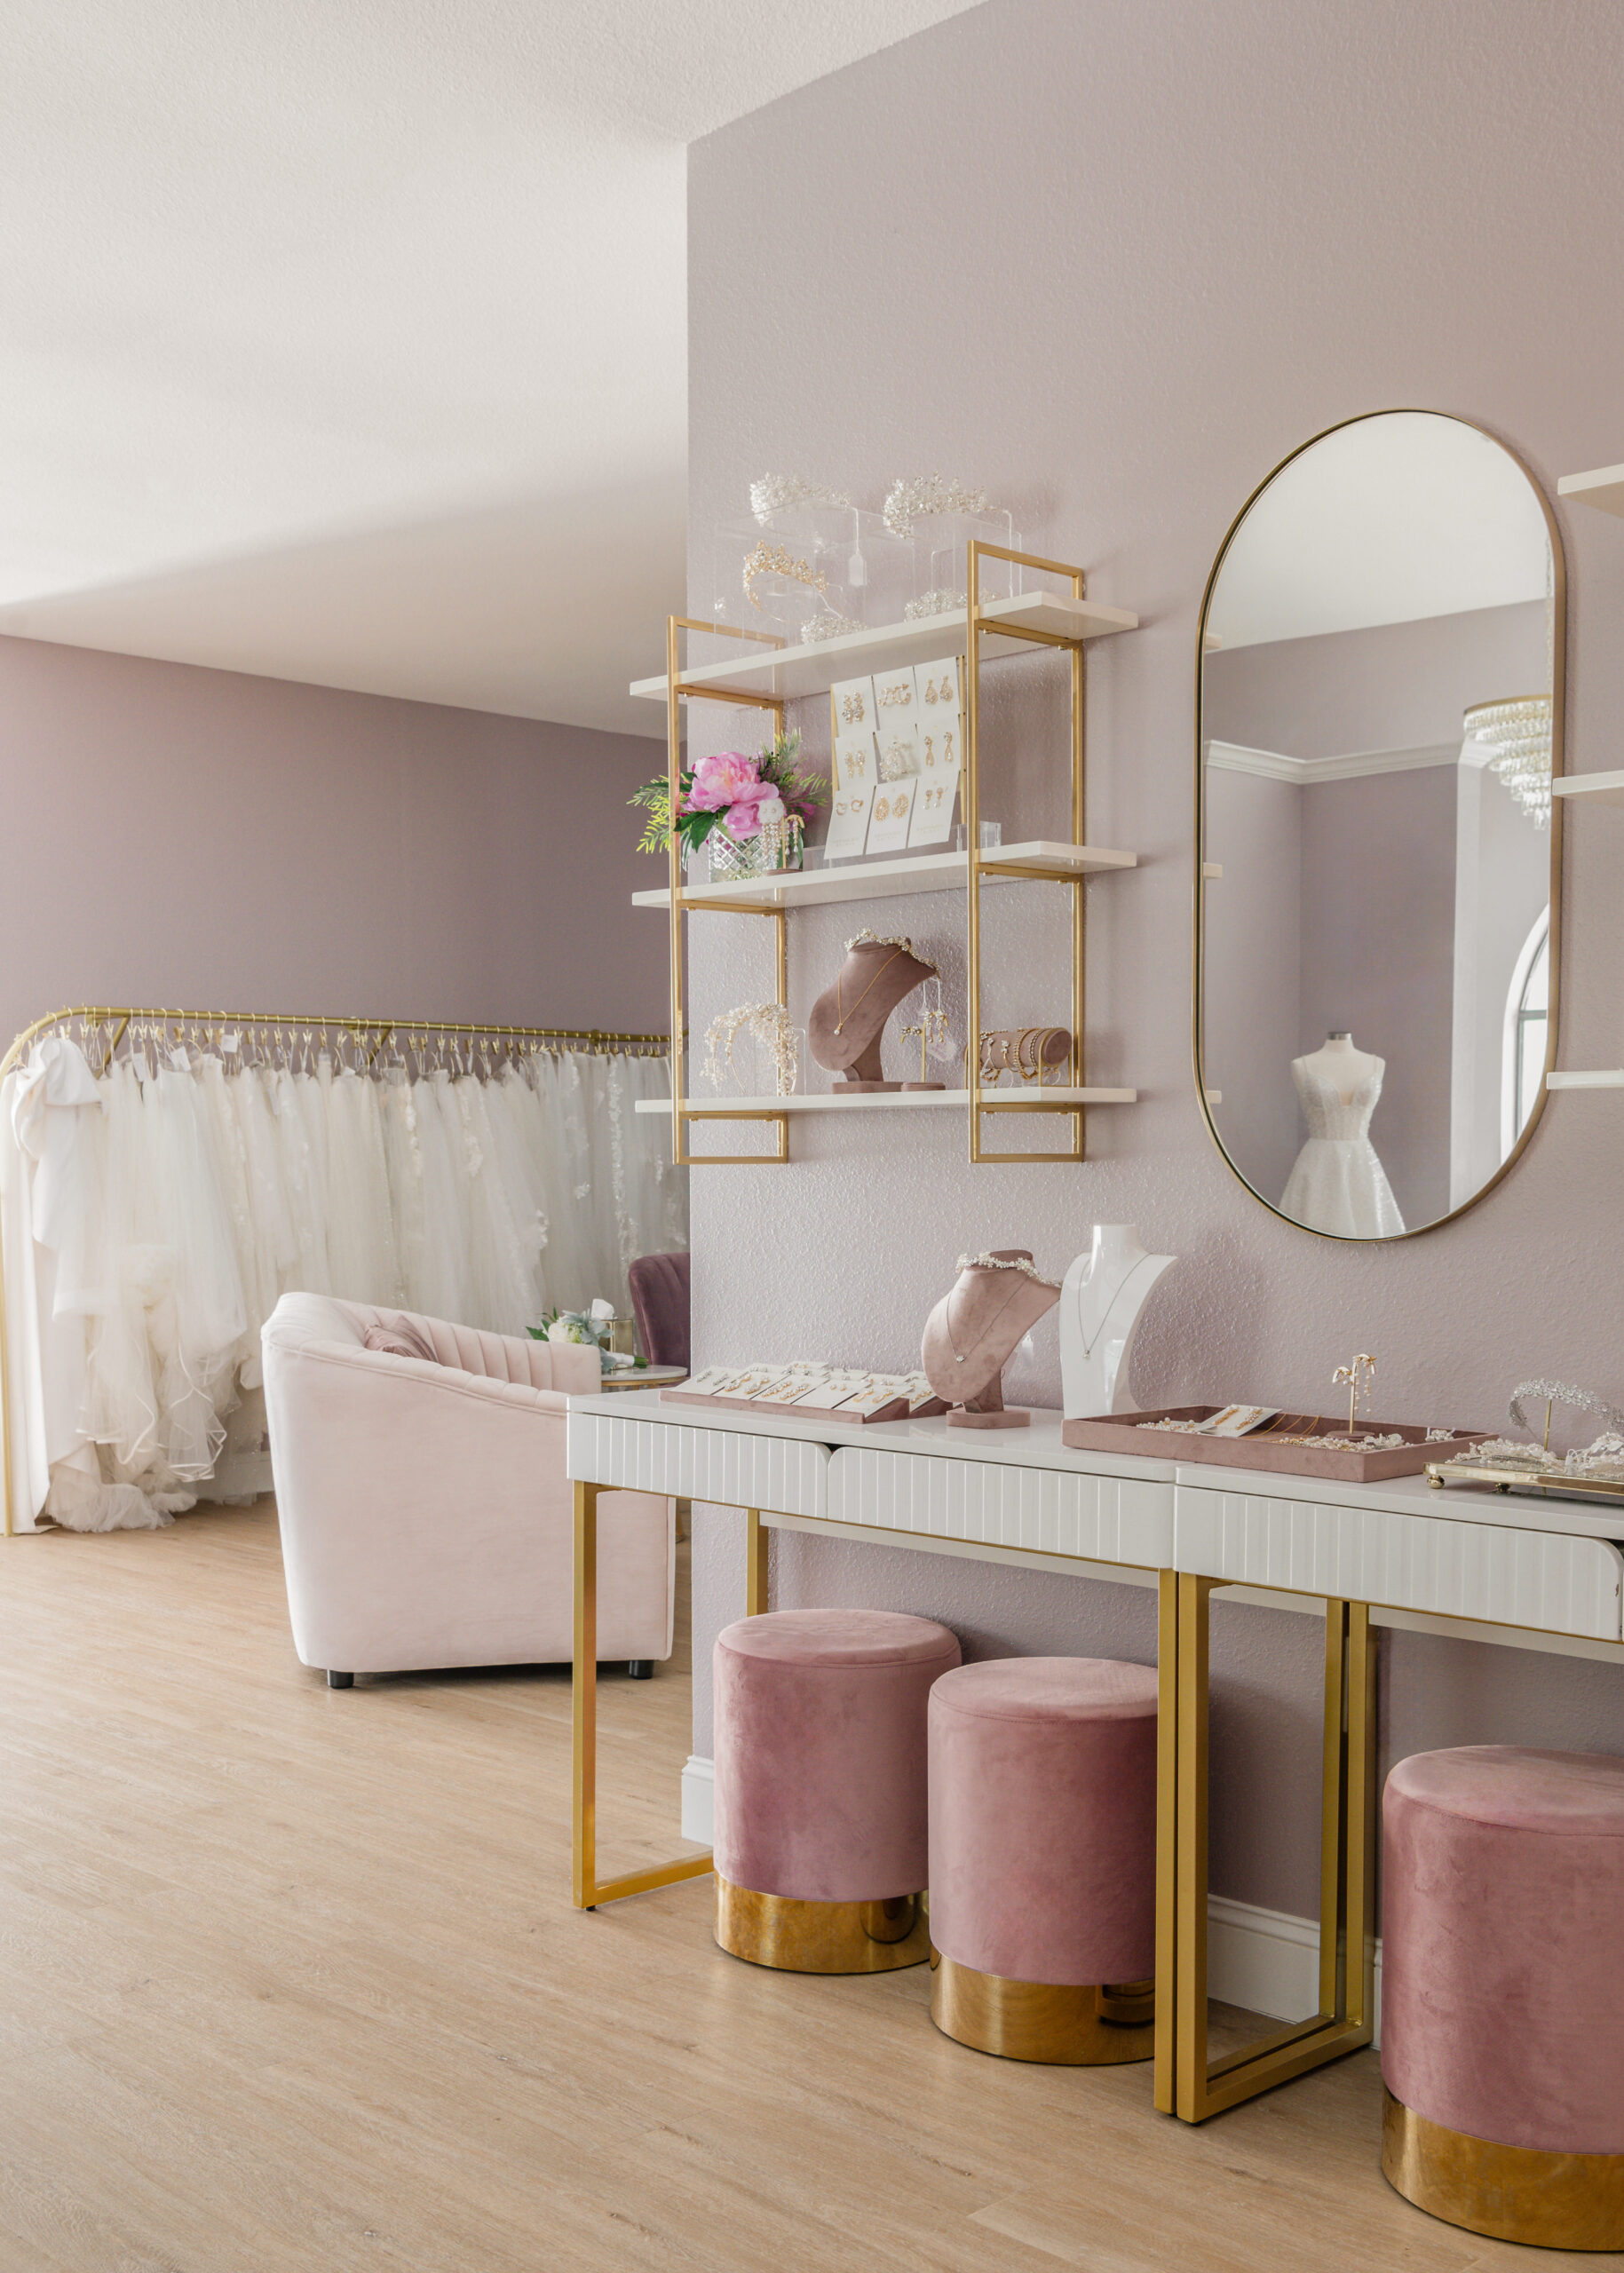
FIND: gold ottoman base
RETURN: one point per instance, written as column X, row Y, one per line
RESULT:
column 796, row 1937
column 1092, row 2027
column 1546, row 2201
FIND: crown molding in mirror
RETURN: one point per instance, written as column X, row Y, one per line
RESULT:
column 1270, row 762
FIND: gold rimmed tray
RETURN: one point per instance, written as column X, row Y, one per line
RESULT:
column 1126, row 1432
column 1498, row 1477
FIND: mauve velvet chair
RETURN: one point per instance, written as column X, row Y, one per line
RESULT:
column 427, row 1518
column 820, row 1847
column 661, row 1305
column 1044, row 1858
column 1502, row 1992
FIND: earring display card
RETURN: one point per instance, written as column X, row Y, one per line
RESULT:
column 853, row 766
column 940, row 737
column 896, row 697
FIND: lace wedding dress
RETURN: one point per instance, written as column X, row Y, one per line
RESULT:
column 1337, row 1184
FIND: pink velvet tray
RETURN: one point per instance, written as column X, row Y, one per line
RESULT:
column 1120, row 1432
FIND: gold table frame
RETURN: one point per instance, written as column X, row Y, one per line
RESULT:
column 1187, row 2084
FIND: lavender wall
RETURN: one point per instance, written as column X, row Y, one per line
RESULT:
column 200, row 839
column 1113, row 258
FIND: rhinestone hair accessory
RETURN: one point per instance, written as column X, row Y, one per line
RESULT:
column 1561, row 1393
column 907, row 502
column 776, row 561
column 1004, row 1263
column 776, row 493
column 938, row 601
column 829, row 624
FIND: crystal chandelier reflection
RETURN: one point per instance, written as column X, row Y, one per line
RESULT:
column 1517, row 730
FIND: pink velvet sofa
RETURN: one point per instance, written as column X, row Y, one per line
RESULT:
column 426, row 1516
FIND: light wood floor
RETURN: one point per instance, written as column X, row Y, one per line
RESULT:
column 292, row 1980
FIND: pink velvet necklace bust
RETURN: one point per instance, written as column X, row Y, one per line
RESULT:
column 973, row 1331
column 848, row 1019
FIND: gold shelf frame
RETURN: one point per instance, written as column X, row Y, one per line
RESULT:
column 266, row 1026
column 979, row 1097
column 682, row 1111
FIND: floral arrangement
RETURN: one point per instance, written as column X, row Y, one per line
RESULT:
column 733, row 791
column 587, row 1326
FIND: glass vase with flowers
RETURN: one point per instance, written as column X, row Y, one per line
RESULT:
column 749, row 810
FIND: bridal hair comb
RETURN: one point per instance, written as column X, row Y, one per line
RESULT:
column 1004, row 1263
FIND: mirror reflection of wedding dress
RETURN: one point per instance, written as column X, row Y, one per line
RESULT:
column 1337, row 1184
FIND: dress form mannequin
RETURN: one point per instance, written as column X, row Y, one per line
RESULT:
column 970, row 1335
column 1343, row 1067
column 1101, row 1304
column 848, row 1019
column 1337, row 1184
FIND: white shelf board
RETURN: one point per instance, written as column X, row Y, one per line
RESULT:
column 886, row 1101
column 1603, row 488
column 1613, row 1081
column 793, row 672
column 887, row 879
column 1607, row 789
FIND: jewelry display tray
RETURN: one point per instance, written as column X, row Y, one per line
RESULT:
column 1539, row 1484
column 1124, row 1432
column 897, row 1410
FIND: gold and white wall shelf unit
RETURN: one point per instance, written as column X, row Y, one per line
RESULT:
column 768, row 677
column 1604, row 489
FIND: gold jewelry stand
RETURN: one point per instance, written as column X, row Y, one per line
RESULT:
column 1189, row 2084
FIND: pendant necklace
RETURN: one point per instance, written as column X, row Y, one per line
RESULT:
column 959, row 1356
column 1088, row 1340
column 843, row 1016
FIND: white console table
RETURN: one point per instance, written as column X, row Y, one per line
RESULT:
column 1393, row 1552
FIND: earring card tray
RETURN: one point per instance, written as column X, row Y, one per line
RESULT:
column 896, row 1408
column 1127, row 1432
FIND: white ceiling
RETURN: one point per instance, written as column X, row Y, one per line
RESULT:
column 347, row 342
column 1384, row 521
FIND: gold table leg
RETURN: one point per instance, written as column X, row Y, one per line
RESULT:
column 586, row 1890
column 1187, row 2083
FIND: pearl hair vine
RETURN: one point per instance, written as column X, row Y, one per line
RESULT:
column 867, row 939
column 1004, row 1263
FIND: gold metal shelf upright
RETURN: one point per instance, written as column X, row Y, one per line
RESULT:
column 682, row 1112
column 983, row 863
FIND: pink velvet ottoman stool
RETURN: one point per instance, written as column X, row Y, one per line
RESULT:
column 1502, row 1993
column 820, row 1846
column 1044, row 1858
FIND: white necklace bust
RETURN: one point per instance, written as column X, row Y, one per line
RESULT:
column 1101, row 1303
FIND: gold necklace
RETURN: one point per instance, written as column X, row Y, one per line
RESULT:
column 959, row 1355
column 842, row 1016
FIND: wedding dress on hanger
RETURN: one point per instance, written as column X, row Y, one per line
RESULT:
column 152, row 1215
column 1337, row 1184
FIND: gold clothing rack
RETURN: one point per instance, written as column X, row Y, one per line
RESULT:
column 262, row 1035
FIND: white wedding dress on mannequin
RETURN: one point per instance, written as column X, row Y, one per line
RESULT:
column 1337, row 1184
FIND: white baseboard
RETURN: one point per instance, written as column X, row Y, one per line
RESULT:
column 1267, row 1960
column 698, row 1786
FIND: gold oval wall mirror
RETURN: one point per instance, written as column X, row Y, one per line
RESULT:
column 1379, row 718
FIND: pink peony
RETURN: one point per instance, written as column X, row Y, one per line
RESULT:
column 728, row 779
column 743, row 819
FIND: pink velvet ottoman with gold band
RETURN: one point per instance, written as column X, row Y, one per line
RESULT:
column 1502, row 1992
column 1044, row 1858
column 820, row 1845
